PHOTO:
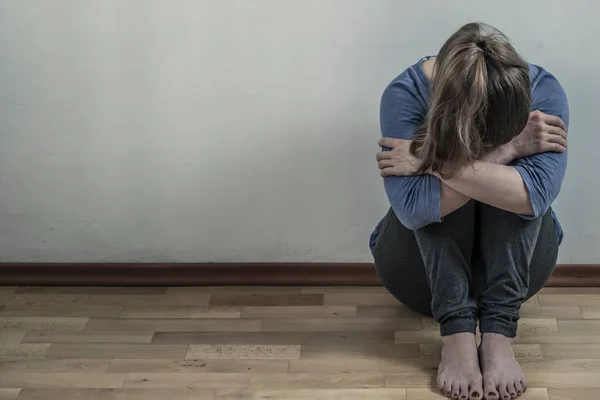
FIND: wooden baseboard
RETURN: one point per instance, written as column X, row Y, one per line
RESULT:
column 242, row 274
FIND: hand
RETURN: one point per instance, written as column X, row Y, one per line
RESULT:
column 398, row 161
column 543, row 133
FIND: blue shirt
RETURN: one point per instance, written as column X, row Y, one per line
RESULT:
column 416, row 199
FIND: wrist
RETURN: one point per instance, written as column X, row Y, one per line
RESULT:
column 502, row 155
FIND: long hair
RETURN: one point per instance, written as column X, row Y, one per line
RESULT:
column 480, row 98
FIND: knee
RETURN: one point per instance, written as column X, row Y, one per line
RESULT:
column 406, row 289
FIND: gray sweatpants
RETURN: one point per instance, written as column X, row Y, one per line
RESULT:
column 480, row 261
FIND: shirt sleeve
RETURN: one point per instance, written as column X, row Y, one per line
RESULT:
column 543, row 173
column 414, row 199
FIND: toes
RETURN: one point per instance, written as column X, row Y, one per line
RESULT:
column 504, row 395
column 440, row 384
column 475, row 391
column 455, row 391
column 519, row 388
column 490, row 391
column 511, row 390
column 464, row 392
column 447, row 390
column 524, row 385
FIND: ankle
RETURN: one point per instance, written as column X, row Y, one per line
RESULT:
column 496, row 338
column 458, row 337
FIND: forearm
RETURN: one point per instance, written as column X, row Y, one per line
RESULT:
column 497, row 185
column 451, row 200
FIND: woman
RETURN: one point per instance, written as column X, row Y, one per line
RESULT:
column 470, row 173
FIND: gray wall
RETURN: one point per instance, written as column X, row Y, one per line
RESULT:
column 205, row 130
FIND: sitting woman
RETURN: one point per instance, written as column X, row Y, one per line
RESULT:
column 471, row 173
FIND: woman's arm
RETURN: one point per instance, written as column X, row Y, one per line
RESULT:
column 500, row 186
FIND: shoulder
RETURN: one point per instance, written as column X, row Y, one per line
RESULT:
column 408, row 90
column 547, row 94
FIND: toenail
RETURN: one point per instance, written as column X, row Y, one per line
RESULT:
column 475, row 394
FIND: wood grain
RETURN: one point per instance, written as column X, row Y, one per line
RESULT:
column 317, row 381
column 346, row 324
column 164, row 312
column 243, row 351
column 294, row 338
column 234, row 299
column 174, row 325
column 87, row 350
column 199, row 366
column 63, row 365
column 574, row 393
column 299, row 312
column 42, row 323
column 266, row 343
column 9, row 394
column 20, row 350
column 117, row 394
column 88, row 337
column 87, row 290
column 186, row 380
column 61, row 380
column 312, row 394
column 339, row 352
column 80, row 310
column 149, row 300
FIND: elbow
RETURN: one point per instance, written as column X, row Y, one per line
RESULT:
column 412, row 223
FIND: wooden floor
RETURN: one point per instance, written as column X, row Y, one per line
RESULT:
column 274, row 343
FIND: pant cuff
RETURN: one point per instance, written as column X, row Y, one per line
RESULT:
column 458, row 325
column 507, row 329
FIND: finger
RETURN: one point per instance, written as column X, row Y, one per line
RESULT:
column 384, row 155
column 555, row 130
column 554, row 148
column 386, row 142
column 555, row 121
column 385, row 164
column 556, row 139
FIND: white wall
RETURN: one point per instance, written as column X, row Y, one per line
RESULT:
column 224, row 130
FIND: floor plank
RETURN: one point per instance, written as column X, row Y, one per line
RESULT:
column 87, row 350
column 21, row 350
column 299, row 312
column 234, row 299
column 379, row 311
column 199, row 366
column 361, row 365
column 174, row 325
column 571, row 350
column 88, row 337
column 9, row 394
column 346, row 324
column 166, row 312
column 63, row 365
column 345, row 352
column 293, row 338
column 243, row 351
column 61, row 380
column 79, row 310
column 186, row 380
column 41, row 300
column 91, row 290
column 12, row 336
column 42, row 323
column 194, row 290
column 117, row 394
column 317, row 381
column 149, row 300
column 574, row 393
column 312, row 394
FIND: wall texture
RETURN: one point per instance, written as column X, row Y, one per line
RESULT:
column 238, row 130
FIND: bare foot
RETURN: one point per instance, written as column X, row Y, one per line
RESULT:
column 503, row 377
column 459, row 376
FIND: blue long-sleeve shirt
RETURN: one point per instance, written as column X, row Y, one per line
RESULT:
column 416, row 199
